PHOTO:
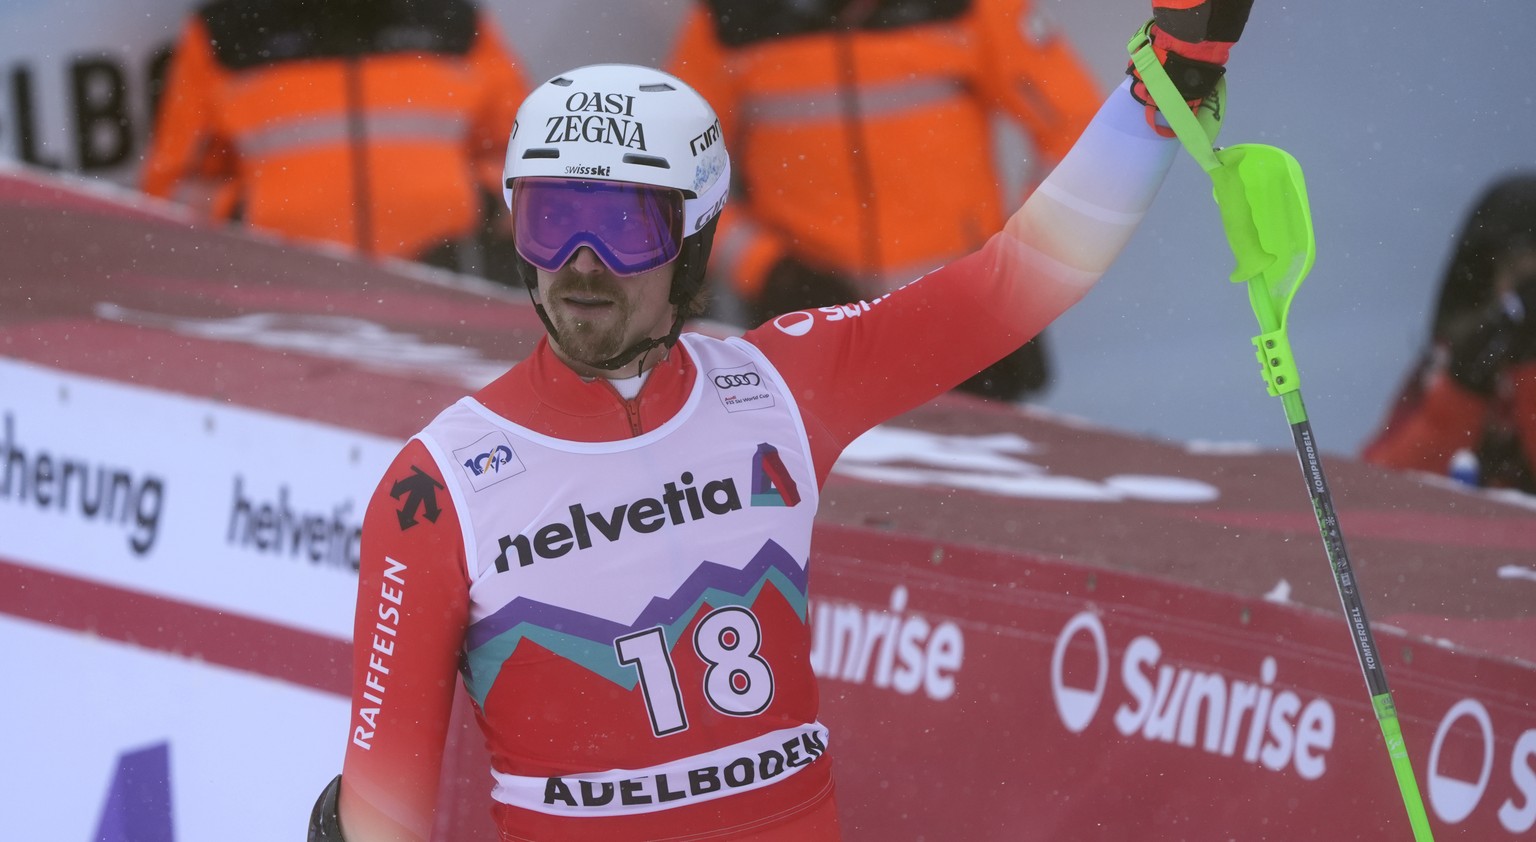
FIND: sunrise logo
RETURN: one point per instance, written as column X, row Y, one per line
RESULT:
column 771, row 483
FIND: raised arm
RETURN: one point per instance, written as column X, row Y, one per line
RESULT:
column 860, row 364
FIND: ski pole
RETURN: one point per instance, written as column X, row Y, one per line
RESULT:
column 1263, row 202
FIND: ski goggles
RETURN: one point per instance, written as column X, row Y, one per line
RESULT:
column 632, row 228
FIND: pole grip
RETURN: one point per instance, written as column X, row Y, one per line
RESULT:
column 1276, row 362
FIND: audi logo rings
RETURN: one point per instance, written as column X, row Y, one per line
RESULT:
column 726, row 381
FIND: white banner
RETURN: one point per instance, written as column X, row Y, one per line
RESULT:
column 186, row 498
column 79, row 79
column 105, row 740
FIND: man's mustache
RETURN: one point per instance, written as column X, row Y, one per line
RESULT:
column 585, row 285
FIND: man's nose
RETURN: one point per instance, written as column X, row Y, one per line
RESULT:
column 586, row 261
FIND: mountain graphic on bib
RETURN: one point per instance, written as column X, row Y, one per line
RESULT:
column 589, row 640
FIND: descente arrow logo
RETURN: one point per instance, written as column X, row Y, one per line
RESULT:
column 420, row 491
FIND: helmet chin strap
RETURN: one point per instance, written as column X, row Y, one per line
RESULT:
column 624, row 357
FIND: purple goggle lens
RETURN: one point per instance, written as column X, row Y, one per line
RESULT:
column 632, row 228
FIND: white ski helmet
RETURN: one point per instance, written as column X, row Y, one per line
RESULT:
column 624, row 122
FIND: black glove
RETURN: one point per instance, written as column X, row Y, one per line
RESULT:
column 1489, row 342
column 325, row 818
column 1193, row 39
column 793, row 285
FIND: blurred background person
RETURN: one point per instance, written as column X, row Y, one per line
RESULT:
column 377, row 124
column 1471, row 395
column 864, row 146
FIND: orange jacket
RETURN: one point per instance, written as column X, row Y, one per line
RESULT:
column 1427, row 427
column 384, row 133
column 867, row 147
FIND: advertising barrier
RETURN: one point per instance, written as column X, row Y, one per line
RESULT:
column 993, row 696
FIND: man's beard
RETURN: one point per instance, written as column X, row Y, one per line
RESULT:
column 588, row 341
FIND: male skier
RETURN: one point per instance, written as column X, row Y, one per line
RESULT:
column 618, row 565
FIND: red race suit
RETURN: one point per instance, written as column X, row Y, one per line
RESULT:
column 621, row 583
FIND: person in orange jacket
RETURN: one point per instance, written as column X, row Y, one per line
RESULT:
column 377, row 124
column 866, row 141
column 1471, row 397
